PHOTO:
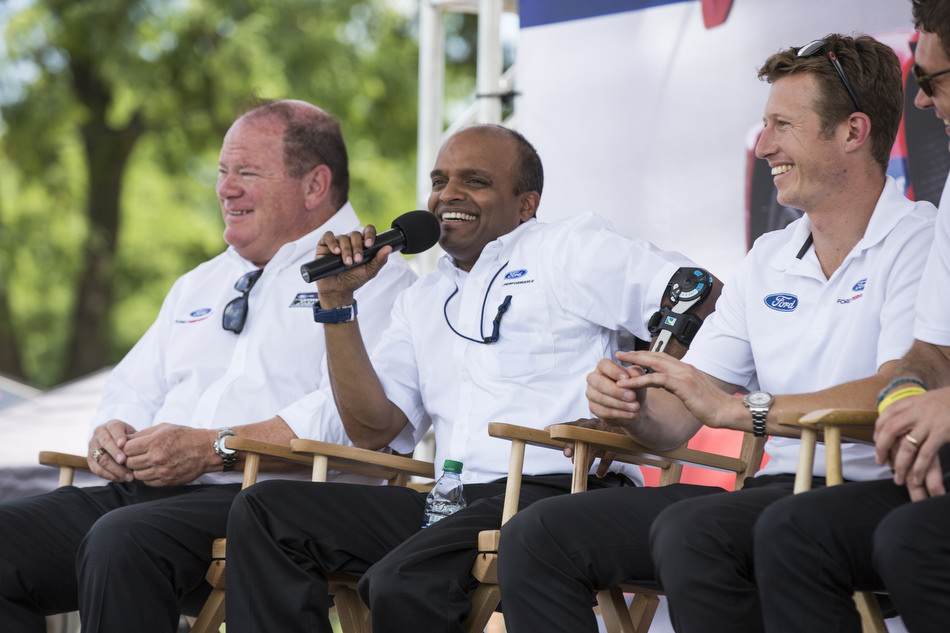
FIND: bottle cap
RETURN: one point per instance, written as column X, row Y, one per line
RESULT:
column 452, row 466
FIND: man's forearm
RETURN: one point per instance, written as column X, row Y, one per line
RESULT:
column 370, row 419
column 928, row 363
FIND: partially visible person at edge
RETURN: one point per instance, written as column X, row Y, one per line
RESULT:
column 221, row 358
column 892, row 534
column 443, row 364
column 815, row 316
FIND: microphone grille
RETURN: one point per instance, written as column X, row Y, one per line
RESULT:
column 421, row 230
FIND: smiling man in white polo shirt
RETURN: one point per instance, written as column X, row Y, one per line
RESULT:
column 222, row 358
column 820, row 311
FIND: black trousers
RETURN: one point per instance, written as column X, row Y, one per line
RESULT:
column 696, row 541
column 125, row 555
column 284, row 537
column 815, row 549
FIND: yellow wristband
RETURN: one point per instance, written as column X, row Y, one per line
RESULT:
column 891, row 398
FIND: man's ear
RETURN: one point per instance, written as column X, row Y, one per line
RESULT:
column 317, row 185
column 859, row 130
column 529, row 205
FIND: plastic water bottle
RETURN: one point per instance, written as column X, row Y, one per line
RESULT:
column 447, row 495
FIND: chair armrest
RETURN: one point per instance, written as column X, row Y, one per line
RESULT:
column 67, row 464
column 256, row 449
column 326, row 455
column 857, row 425
column 58, row 460
column 534, row 437
column 830, row 426
column 630, row 450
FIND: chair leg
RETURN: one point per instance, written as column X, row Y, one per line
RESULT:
column 872, row 620
column 354, row 615
column 484, row 601
column 212, row 614
column 642, row 611
column 613, row 608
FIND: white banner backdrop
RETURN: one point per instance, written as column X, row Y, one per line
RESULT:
column 647, row 116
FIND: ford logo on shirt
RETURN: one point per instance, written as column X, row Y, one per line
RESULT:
column 858, row 287
column 197, row 314
column 515, row 274
column 782, row 302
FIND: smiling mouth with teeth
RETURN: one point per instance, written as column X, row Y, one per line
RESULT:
column 244, row 212
column 780, row 169
column 455, row 215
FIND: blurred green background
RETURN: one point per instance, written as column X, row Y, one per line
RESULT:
column 111, row 117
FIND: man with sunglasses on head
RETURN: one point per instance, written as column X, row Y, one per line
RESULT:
column 234, row 351
column 892, row 534
column 504, row 329
column 818, row 311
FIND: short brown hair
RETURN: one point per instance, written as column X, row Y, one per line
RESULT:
column 875, row 75
column 311, row 137
column 933, row 16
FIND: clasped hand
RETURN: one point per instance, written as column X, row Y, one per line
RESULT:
column 916, row 462
column 161, row 455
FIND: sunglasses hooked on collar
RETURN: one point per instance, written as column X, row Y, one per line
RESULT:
column 235, row 313
column 822, row 46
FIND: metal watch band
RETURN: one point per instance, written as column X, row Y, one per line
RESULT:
column 228, row 457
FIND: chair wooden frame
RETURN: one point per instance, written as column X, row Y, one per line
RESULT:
column 322, row 457
column 833, row 425
column 618, row 618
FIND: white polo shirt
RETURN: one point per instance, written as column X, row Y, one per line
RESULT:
column 932, row 324
column 781, row 326
column 188, row 370
column 572, row 285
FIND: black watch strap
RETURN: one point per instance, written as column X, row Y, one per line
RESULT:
column 343, row 314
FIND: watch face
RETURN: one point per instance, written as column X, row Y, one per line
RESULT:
column 759, row 399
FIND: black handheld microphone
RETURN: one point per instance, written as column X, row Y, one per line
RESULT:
column 412, row 233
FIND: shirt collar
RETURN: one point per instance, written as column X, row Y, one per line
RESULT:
column 498, row 249
column 892, row 206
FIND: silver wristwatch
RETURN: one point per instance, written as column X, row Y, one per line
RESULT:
column 758, row 402
column 228, row 455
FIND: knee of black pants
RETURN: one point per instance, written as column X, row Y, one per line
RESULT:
column 898, row 547
column 251, row 503
column 114, row 534
column 515, row 558
column 777, row 529
column 673, row 528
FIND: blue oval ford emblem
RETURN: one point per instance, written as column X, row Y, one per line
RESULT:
column 858, row 287
column 200, row 313
column 783, row 302
column 516, row 273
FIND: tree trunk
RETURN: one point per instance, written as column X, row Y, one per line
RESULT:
column 107, row 152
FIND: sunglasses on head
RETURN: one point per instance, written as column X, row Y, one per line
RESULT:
column 235, row 313
column 821, row 46
column 925, row 81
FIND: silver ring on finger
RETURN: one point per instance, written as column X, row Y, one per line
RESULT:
column 98, row 453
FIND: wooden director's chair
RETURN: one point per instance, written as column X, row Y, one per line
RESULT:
column 833, row 425
column 322, row 456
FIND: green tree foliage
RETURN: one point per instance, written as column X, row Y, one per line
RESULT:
column 111, row 117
